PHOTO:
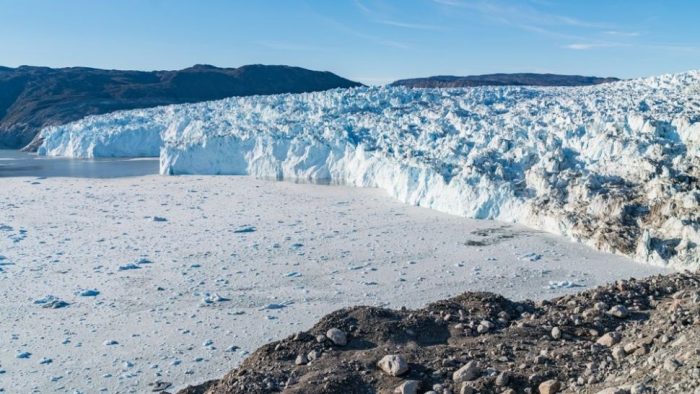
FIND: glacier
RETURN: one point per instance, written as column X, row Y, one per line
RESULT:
column 615, row 166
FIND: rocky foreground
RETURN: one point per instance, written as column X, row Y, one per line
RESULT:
column 632, row 336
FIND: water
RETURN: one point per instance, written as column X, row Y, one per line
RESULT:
column 17, row 164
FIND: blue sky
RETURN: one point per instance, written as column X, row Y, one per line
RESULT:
column 370, row 41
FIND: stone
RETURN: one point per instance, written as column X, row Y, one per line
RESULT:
column 549, row 387
column 630, row 347
column 484, row 327
column 556, row 333
column 467, row 373
column 614, row 390
column 610, row 339
column 671, row 364
column 466, row 389
column 502, row 379
column 301, row 360
column 618, row 353
column 337, row 336
column 639, row 388
column 407, row 387
column 619, row 311
column 313, row 355
column 393, row 365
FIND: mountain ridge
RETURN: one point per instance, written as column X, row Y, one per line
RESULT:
column 502, row 79
column 33, row 97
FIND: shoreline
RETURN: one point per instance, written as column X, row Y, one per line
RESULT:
column 627, row 337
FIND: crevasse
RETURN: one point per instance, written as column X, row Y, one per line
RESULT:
column 615, row 166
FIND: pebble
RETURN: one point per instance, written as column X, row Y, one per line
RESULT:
column 468, row 372
column 407, row 387
column 301, row 360
column 609, row 339
column 619, row 311
column 671, row 364
column 556, row 333
column 614, row 390
column 549, row 387
column 337, row 336
column 618, row 353
column 393, row 365
column 502, row 379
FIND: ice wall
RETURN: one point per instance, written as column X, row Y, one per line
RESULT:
column 615, row 166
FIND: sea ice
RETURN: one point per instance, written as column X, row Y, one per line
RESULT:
column 51, row 302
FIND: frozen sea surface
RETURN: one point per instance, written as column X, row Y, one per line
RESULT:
column 21, row 164
column 234, row 263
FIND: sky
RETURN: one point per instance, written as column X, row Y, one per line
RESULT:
column 372, row 41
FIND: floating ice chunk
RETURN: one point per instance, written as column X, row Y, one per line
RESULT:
column 211, row 298
column 276, row 306
column 51, row 302
column 87, row 293
column 245, row 229
column 564, row 284
column 130, row 266
column 531, row 257
column 293, row 274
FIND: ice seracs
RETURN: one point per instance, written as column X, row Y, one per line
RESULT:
column 615, row 166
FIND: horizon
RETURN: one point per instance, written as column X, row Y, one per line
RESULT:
column 373, row 42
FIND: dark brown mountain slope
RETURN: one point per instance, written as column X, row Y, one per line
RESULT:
column 34, row 97
column 522, row 79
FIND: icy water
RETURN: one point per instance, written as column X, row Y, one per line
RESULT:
column 17, row 164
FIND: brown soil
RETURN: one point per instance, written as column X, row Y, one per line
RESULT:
column 632, row 336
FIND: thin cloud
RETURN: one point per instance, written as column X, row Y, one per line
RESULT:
column 375, row 39
column 528, row 18
column 415, row 26
column 622, row 33
column 363, row 7
column 585, row 47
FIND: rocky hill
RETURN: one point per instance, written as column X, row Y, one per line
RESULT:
column 522, row 79
column 34, row 97
column 628, row 337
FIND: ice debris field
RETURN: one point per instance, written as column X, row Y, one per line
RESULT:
column 615, row 166
column 125, row 285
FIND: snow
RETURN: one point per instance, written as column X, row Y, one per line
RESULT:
column 360, row 247
column 613, row 165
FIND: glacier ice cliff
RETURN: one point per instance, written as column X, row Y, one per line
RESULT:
column 616, row 166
